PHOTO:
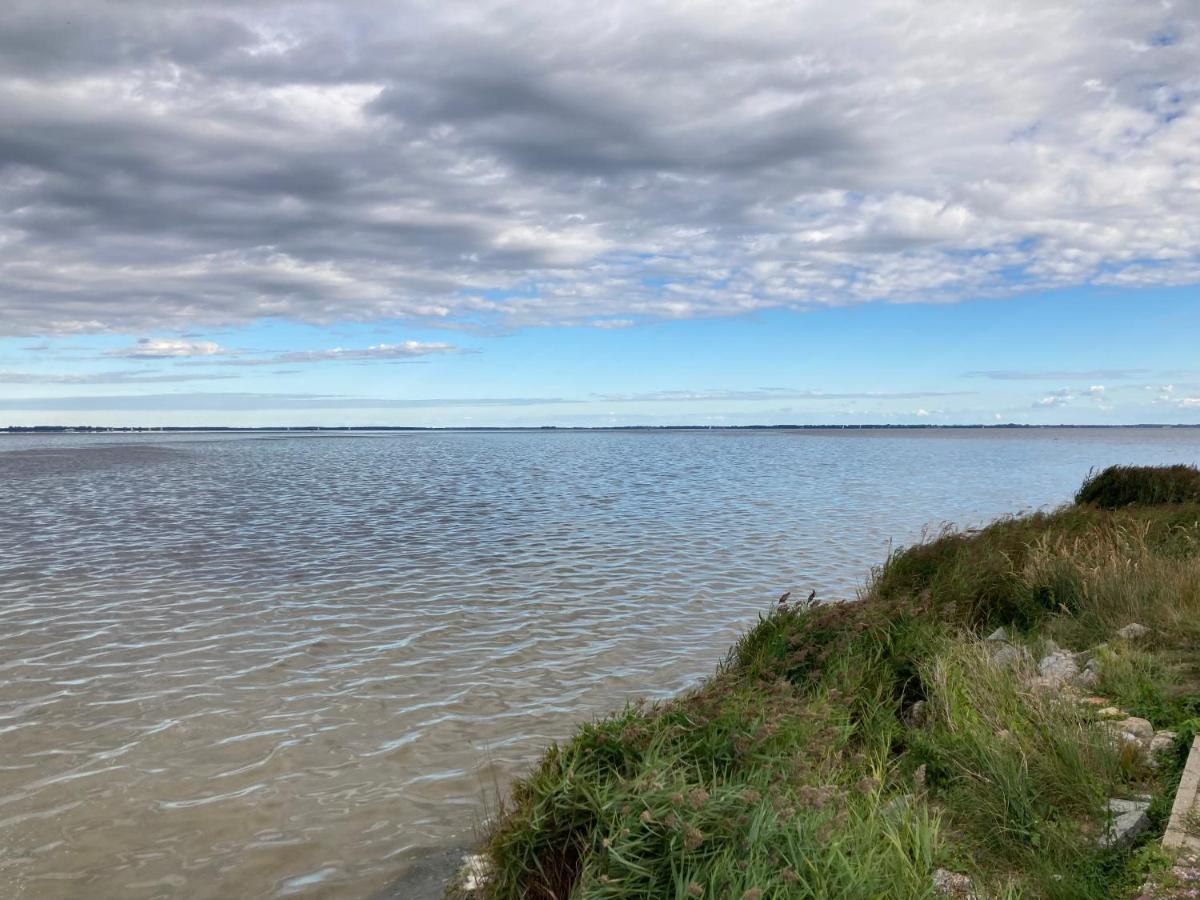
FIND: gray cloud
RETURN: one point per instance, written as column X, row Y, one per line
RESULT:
column 184, row 164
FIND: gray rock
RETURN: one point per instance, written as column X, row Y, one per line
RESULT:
column 1057, row 668
column 1140, row 728
column 1000, row 634
column 1127, row 819
column 952, row 884
column 1007, row 655
column 1161, row 743
column 1132, row 631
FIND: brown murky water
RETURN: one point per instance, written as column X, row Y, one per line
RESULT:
column 268, row 667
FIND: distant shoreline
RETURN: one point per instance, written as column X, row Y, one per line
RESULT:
column 286, row 429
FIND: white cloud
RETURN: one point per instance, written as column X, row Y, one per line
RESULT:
column 168, row 348
column 403, row 350
column 498, row 165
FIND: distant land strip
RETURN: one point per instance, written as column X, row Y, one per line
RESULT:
column 284, row 429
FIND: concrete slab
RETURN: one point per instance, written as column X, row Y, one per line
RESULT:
column 1183, row 829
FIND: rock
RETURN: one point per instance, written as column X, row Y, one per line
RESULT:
column 1140, row 728
column 1128, row 819
column 1000, row 634
column 952, row 884
column 1161, row 743
column 1111, row 712
column 1132, row 631
column 1057, row 668
column 474, row 873
column 1007, row 655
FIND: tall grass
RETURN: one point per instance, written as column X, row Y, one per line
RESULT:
column 803, row 769
column 1119, row 486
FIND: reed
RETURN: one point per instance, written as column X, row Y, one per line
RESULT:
column 850, row 750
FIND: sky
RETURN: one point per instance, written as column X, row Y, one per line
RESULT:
column 247, row 212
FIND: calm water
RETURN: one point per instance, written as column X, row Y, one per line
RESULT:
column 257, row 666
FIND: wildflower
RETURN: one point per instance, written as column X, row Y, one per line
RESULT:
column 694, row 890
column 789, row 874
column 753, row 894
column 647, row 817
column 698, row 797
column 693, row 838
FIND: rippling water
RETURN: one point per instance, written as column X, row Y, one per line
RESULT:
column 250, row 666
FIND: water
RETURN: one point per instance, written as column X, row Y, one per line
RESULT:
column 252, row 666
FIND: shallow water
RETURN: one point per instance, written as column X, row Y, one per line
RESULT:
column 268, row 666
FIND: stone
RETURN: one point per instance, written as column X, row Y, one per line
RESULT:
column 1161, row 743
column 1132, row 631
column 1000, row 634
column 1127, row 819
column 1007, row 655
column 1111, row 712
column 952, row 884
column 1139, row 728
column 1057, row 668
column 474, row 873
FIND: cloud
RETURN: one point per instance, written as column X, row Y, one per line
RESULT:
column 1017, row 375
column 1056, row 398
column 767, row 394
column 238, row 402
column 922, row 413
column 121, row 377
column 407, row 350
column 167, row 348
column 490, row 165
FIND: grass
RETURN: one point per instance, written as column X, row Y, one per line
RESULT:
column 850, row 750
column 1128, row 485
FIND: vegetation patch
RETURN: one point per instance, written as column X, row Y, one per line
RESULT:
column 1142, row 485
column 884, row 748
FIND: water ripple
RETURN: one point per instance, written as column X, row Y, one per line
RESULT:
column 235, row 666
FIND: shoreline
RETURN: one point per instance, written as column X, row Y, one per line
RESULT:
column 991, row 718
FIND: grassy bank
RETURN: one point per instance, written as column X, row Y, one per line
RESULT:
column 856, row 749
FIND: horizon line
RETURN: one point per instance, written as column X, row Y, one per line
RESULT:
column 867, row 426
